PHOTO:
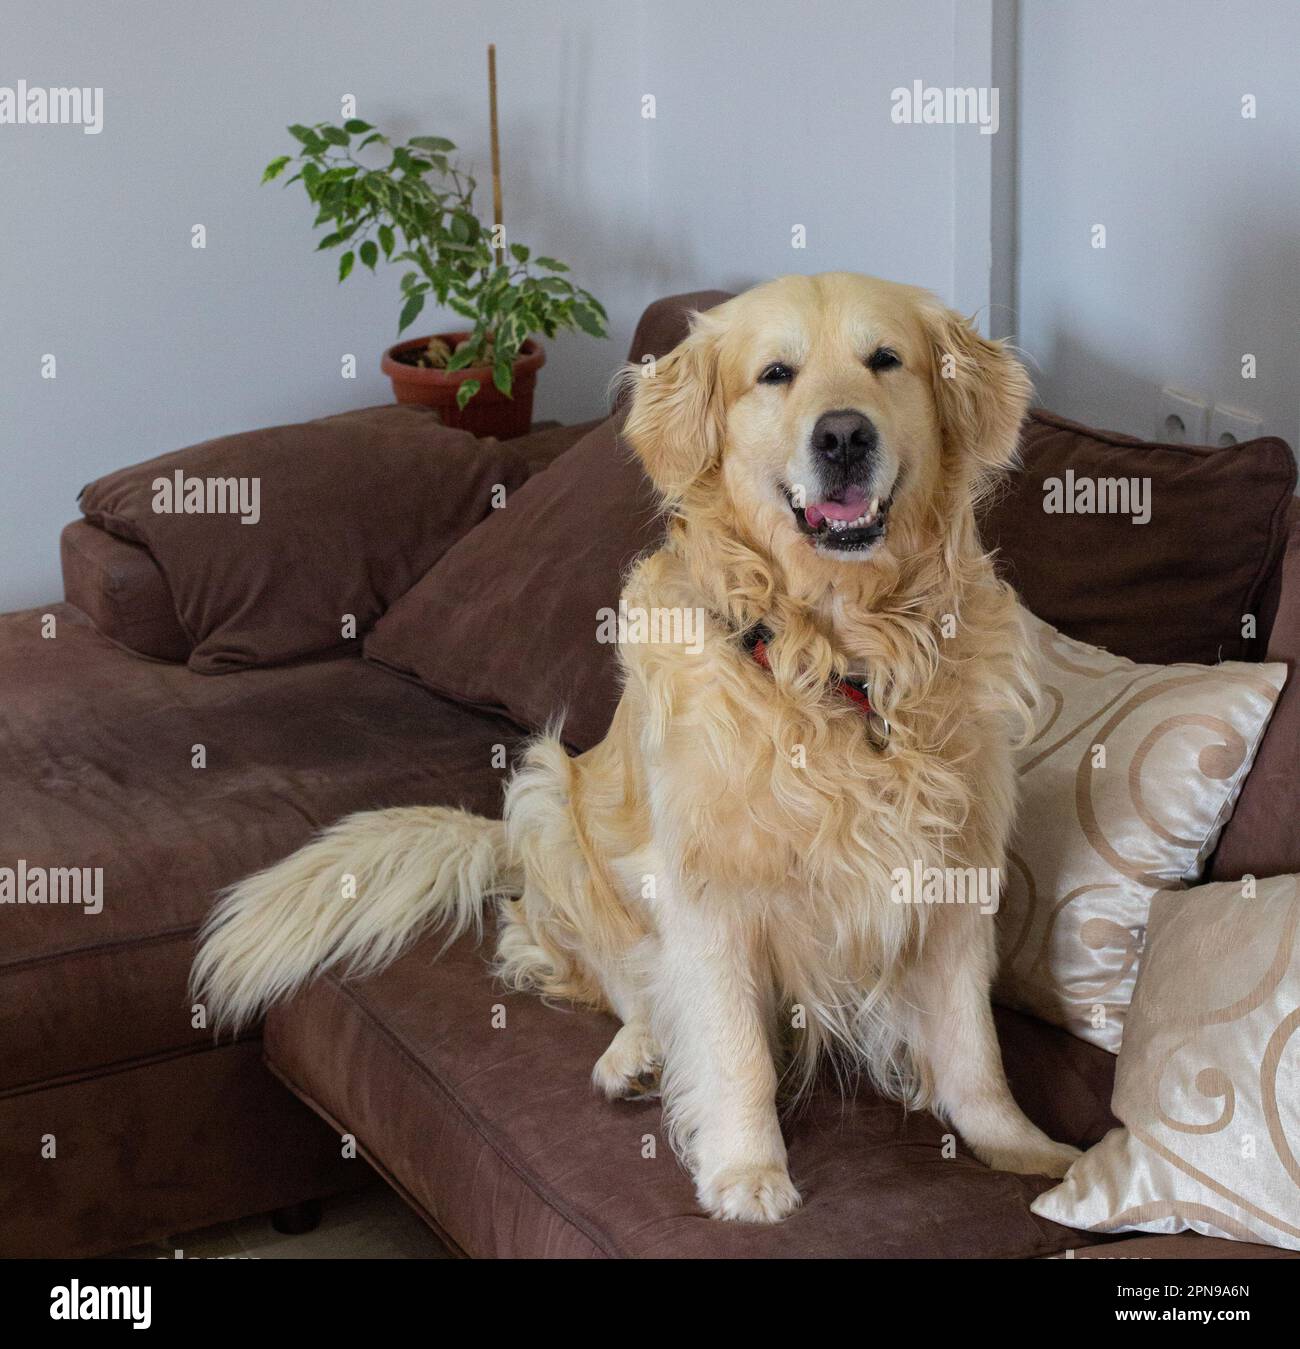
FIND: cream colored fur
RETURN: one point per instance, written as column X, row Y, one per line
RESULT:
column 717, row 871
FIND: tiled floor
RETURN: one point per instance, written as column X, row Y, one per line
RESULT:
column 371, row 1225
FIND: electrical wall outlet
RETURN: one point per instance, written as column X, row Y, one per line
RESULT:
column 1232, row 426
column 1184, row 418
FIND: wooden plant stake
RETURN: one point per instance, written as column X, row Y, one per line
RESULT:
column 496, row 147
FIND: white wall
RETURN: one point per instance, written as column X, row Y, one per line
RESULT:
column 768, row 115
column 783, row 120
column 1130, row 116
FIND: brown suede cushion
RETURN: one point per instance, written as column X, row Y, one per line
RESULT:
column 489, row 1125
column 353, row 509
column 1263, row 835
column 1173, row 589
column 507, row 620
column 540, row 449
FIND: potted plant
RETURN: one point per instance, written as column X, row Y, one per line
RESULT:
column 418, row 209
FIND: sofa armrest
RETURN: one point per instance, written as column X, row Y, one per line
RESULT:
column 1263, row 836
column 121, row 589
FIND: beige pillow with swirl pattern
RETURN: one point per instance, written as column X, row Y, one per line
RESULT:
column 1131, row 777
column 1208, row 1080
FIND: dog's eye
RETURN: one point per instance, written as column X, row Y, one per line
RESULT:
column 883, row 358
column 777, row 373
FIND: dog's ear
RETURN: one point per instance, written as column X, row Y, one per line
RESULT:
column 676, row 420
column 981, row 391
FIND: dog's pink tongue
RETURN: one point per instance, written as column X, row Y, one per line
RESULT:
column 854, row 503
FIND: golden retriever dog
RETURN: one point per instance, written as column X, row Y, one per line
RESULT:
column 725, row 871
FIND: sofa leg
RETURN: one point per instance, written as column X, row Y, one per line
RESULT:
column 295, row 1219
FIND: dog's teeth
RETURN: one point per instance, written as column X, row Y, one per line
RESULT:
column 865, row 518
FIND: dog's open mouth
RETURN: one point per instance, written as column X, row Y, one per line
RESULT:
column 847, row 522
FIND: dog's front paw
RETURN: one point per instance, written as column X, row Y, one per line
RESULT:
column 629, row 1069
column 1043, row 1158
column 757, row 1194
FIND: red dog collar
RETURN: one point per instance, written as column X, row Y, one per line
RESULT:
column 857, row 691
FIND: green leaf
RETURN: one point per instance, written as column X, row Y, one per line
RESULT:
column 509, row 337
column 369, row 252
column 466, row 356
column 356, row 126
column 467, row 391
column 503, row 376
column 551, row 264
column 588, row 320
column 275, row 168
column 438, row 144
column 410, row 310
column 312, row 143
column 345, row 264
column 338, row 237
column 335, row 135
column 520, row 252
column 386, row 240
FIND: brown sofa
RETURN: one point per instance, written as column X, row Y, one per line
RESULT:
column 120, row 1118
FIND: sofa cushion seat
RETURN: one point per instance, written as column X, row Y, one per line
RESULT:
column 477, row 1105
column 97, row 749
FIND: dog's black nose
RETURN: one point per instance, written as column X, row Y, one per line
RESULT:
column 844, row 438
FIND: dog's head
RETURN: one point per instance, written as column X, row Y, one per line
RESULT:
column 832, row 417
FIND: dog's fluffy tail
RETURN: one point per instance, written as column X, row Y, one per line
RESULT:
column 354, row 897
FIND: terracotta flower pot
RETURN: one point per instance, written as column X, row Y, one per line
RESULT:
column 489, row 412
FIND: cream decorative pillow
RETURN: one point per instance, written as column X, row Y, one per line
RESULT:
column 1123, row 792
column 1208, row 1080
